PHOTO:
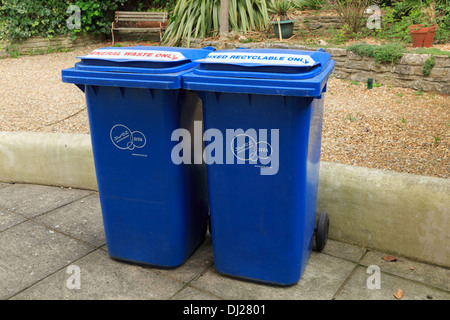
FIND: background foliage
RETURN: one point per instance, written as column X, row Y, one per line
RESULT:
column 21, row 19
column 200, row 18
column 401, row 14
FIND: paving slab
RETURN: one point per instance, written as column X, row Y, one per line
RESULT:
column 198, row 262
column 344, row 250
column 30, row 252
column 81, row 219
column 33, row 200
column 357, row 289
column 425, row 273
column 322, row 278
column 190, row 293
column 9, row 219
column 102, row 278
column 48, row 232
column 4, row 184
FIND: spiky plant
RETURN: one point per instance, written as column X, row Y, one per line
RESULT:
column 200, row 19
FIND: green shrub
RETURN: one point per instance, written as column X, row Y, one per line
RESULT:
column 200, row 18
column 149, row 5
column 382, row 53
column 432, row 51
column 428, row 65
column 351, row 12
column 399, row 15
column 393, row 28
column 310, row 4
column 47, row 18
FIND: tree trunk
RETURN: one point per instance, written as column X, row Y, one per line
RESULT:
column 224, row 24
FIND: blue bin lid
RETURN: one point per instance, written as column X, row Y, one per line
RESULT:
column 138, row 66
column 262, row 71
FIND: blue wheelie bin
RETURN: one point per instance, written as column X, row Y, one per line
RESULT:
column 154, row 211
column 263, row 112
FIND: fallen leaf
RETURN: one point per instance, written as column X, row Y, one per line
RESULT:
column 389, row 258
column 399, row 294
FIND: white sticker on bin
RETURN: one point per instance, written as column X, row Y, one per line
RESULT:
column 242, row 57
column 140, row 55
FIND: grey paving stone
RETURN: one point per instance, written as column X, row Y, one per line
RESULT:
column 9, row 219
column 81, row 219
column 343, row 250
column 356, row 288
column 321, row 279
column 201, row 259
column 32, row 200
column 102, row 278
column 4, row 184
column 189, row 293
column 30, row 252
column 426, row 273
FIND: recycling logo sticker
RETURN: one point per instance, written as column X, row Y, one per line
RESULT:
column 125, row 139
column 245, row 147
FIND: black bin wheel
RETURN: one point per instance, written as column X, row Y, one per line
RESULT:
column 323, row 224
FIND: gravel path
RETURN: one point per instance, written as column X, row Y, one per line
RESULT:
column 386, row 128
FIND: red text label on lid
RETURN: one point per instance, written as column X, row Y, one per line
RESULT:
column 141, row 55
column 260, row 58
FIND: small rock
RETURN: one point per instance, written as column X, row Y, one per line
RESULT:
column 242, row 38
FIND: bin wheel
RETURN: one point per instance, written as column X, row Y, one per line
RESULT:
column 323, row 224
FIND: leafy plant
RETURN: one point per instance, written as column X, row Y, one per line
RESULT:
column 443, row 20
column 200, row 18
column 340, row 36
column 351, row 12
column 392, row 28
column 311, row 4
column 423, row 14
column 382, row 53
column 12, row 51
column 279, row 9
column 433, row 51
column 428, row 65
column 25, row 18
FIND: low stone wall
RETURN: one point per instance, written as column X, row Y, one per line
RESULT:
column 39, row 45
column 406, row 73
column 317, row 23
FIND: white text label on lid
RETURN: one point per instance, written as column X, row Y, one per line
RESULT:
column 284, row 59
column 140, row 55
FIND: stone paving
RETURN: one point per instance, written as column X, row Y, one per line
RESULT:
column 52, row 247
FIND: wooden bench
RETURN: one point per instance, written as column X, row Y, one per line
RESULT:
column 139, row 21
